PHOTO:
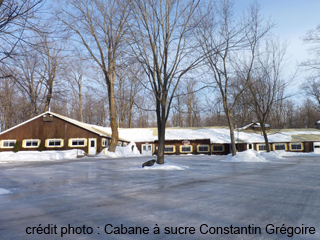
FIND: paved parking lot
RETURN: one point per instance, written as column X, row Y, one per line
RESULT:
column 94, row 198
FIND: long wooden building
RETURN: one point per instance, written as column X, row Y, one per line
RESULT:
column 56, row 132
column 51, row 131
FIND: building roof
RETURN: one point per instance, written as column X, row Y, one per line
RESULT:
column 215, row 134
column 89, row 127
column 220, row 135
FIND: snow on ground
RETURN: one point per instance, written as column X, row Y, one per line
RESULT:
column 130, row 150
column 245, row 156
column 254, row 156
column 166, row 166
column 24, row 156
column 4, row 191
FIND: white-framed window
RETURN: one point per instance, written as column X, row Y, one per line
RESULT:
column 185, row 148
column 51, row 143
column 169, row 149
column 279, row 146
column 296, row 146
column 262, row 147
column 77, row 142
column 217, row 148
column 104, row 142
column 203, row 148
column 31, row 143
column 7, row 143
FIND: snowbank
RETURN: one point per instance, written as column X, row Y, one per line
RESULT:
column 245, row 156
column 281, row 154
column 166, row 166
column 130, row 150
column 254, row 156
column 4, row 191
column 24, row 156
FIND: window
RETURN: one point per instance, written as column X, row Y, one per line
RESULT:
column 185, row 149
column 31, row 143
column 203, row 148
column 217, row 148
column 54, row 143
column 279, row 146
column 146, row 147
column 296, row 147
column 77, row 142
column 7, row 143
column 104, row 142
column 169, row 149
column 120, row 144
column 262, row 147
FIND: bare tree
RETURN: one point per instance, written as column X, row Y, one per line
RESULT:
column 26, row 76
column 312, row 85
column 160, row 30
column 50, row 62
column 99, row 26
column 267, row 84
column 75, row 74
column 230, row 46
column 14, row 20
column 127, row 89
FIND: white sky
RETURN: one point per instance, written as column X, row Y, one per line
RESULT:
column 294, row 18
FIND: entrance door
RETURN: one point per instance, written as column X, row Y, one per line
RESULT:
column 316, row 147
column 146, row 149
column 92, row 146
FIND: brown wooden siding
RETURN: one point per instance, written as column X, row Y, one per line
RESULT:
column 57, row 128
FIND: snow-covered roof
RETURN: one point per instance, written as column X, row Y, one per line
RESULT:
column 253, row 124
column 89, row 127
column 216, row 134
column 219, row 135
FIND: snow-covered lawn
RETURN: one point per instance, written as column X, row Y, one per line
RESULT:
column 130, row 150
column 24, row 156
column 4, row 191
column 254, row 156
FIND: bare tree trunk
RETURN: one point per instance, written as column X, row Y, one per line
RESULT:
column 49, row 96
column 113, row 111
column 265, row 136
column 80, row 103
column 161, row 123
column 231, row 128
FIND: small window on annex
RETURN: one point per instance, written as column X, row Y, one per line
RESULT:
column 217, row 148
column 54, row 143
column 79, row 142
column 104, row 142
column 296, row 146
column 7, row 143
column 169, row 149
column 279, row 146
column 203, row 148
column 185, row 149
column 32, row 143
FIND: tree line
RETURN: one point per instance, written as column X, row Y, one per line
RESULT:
column 150, row 63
